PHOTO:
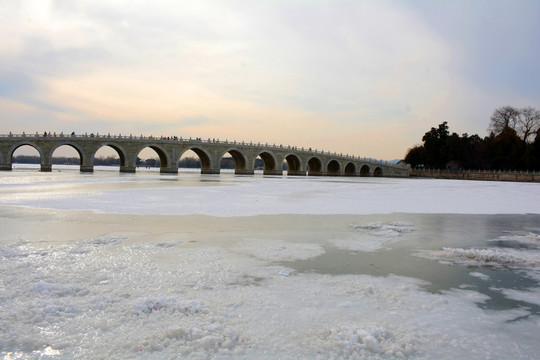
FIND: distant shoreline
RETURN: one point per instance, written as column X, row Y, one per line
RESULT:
column 487, row 175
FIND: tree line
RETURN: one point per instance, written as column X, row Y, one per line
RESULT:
column 513, row 144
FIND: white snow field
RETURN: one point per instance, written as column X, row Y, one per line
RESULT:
column 227, row 195
column 149, row 266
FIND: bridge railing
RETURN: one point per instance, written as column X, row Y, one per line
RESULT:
column 175, row 139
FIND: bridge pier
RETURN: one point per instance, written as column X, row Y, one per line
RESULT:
column 87, row 168
column 210, row 171
column 244, row 172
column 5, row 167
column 296, row 173
column 127, row 169
column 46, row 167
column 168, row 171
column 273, row 172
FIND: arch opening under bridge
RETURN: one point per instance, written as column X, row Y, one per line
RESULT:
column 162, row 162
column 350, row 169
column 109, row 155
column 23, row 153
column 270, row 163
column 314, row 166
column 235, row 160
column 70, row 152
column 365, row 170
column 203, row 156
column 294, row 165
column 333, row 168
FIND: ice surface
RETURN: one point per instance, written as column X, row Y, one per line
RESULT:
column 227, row 195
column 126, row 293
column 142, row 301
column 278, row 250
column 374, row 236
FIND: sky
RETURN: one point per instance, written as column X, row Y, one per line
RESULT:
column 367, row 78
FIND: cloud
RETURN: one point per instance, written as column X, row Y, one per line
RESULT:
column 14, row 84
column 357, row 77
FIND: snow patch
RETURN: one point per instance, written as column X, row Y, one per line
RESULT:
column 391, row 229
column 147, row 305
column 531, row 296
column 59, row 290
column 528, row 239
column 368, row 339
column 111, row 239
column 374, row 236
column 490, row 256
column 479, row 275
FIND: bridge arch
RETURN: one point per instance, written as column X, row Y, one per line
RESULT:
column 23, row 143
column 14, row 147
column 350, row 169
column 378, row 172
column 269, row 162
column 122, row 155
column 333, row 168
column 294, row 164
column 314, row 166
column 77, row 147
column 163, row 156
column 204, row 158
column 365, row 170
column 240, row 160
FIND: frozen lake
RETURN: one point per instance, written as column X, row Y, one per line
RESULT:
column 151, row 266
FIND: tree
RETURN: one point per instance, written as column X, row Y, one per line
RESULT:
column 503, row 118
column 416, row 156
column 152, row 162
column 435, row 146
column 508, row 151
column 528, row 122
column 532, row 158
column 510, row 145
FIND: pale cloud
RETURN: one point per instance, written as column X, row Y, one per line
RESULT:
column 361, row 77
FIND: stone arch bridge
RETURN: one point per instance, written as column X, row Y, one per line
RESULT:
column 299, row 161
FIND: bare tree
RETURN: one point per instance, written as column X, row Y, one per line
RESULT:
column 528, row 122
column 503, row 118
